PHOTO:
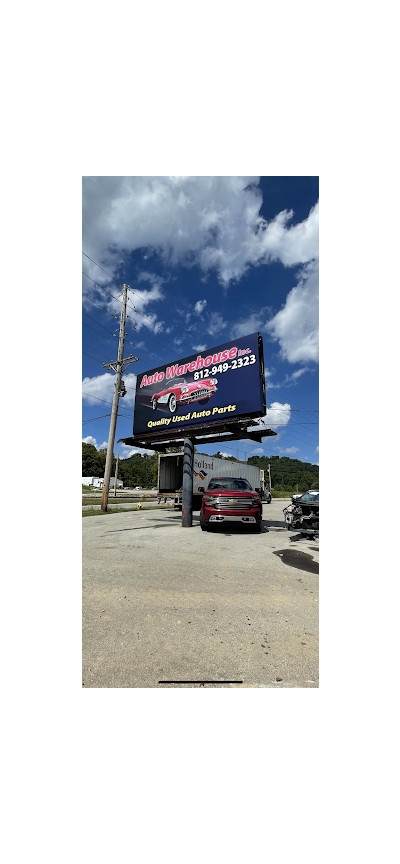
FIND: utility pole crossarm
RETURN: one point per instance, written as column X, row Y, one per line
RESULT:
column 124, row 362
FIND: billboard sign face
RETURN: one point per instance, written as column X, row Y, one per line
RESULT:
column 222, row 383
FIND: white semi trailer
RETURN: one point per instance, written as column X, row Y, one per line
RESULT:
column 170, row 475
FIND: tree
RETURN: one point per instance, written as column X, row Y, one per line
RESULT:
column 139, row 470
column 221, row 456
column 91, row 463
column 287, row 474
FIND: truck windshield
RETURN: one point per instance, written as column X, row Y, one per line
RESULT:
column 226, row 483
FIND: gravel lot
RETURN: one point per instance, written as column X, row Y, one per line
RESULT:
column 162, row 603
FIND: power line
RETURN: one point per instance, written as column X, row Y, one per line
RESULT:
column 142, row 314
column 114, row 281
column 102, row 288
column 95, row 418
column 131, row 306
column 106, row 401
column 92, row 358
column 97, row 322
column 155, row 356
column 100, row 334
column 102, row 308
column 302, row 410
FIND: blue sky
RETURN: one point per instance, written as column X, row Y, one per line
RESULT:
column 207, row 259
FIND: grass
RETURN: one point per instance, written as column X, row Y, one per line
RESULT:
column 128, row 500
column 284, row 493
column 93, row 512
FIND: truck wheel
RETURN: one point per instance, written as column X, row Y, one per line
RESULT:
column 203, row 524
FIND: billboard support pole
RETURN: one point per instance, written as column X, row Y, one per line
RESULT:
column 187, row 483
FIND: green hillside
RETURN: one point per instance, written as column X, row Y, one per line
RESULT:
column 288, row 475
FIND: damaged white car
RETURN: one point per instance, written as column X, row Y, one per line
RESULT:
column 302, row 514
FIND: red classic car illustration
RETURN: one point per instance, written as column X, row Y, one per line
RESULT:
column 181, row 393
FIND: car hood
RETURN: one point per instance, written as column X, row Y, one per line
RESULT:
column 242, row 493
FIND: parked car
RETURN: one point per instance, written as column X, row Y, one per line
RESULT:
column 181, row 393
column 300, row 495
column 303, row 513
column 230, row 499
column 266, row 496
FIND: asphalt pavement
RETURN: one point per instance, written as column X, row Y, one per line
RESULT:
column 167, row 606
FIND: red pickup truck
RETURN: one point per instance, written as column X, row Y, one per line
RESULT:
column 230, row 499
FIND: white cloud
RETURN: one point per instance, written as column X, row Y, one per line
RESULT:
column 257, row 451
column 199, row 306
column 214, row 222
column 90, row 440
column 126, row 451
column 295, row 326
column 252, row 324
column 288, row 450
column 100, row 389
column 277, row 415
column 270, row 385
column 290, row 245
column 215, row 324
column 138, row 300
column 199, row 347
column 294, row 377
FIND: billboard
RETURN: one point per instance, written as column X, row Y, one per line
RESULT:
column 222, row 383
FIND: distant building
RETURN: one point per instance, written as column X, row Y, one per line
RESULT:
column 120, row 484
column 98, row 482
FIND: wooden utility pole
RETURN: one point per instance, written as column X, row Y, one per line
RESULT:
column 116, row 476
column 117, row 367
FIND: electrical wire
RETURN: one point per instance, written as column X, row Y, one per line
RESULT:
column 98, row 399
column 114, row 281
column 131, row 306
column 97, row 322
column 92, row 358
column 91, row 420
column 151, row 321
column 102, row 288
column 155, row 356
column 100, row 334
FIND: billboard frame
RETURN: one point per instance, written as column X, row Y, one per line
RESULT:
column 231, row 428
column 228, row 431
